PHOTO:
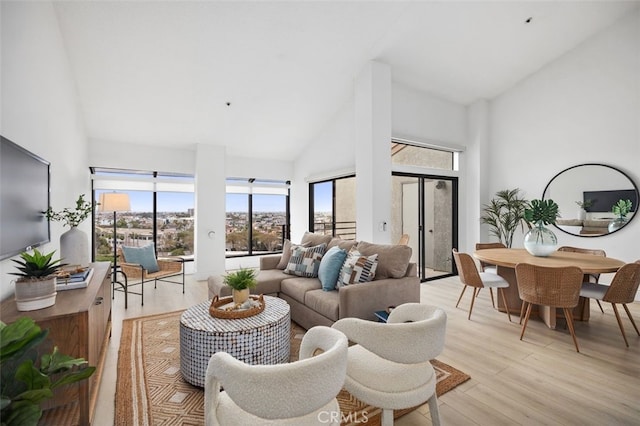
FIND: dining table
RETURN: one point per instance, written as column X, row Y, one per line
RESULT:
column 506, row 259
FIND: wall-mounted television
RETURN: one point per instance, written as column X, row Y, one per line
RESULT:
column 24, row 198
column 603, row 201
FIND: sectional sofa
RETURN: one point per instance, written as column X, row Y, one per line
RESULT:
column 395, row 282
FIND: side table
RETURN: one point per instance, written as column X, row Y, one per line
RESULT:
column 260, row 339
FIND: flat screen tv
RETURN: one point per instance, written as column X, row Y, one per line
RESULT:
column 24, row 197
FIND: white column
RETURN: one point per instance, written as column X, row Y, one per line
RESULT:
column 373, row 153
column 475, row 177
column 210, row 213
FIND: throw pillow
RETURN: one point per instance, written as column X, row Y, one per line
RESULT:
column 393, row 259
column 357, row 269
column 144, row 256
column 286, row 253
column 315, row 239
column 330, row 266
column 305, row 261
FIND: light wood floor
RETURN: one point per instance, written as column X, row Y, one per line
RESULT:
column 538, row 381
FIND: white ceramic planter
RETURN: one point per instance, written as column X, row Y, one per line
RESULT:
column 74, row 247
column 33, row 295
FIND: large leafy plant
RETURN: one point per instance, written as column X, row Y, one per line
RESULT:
column 36, row 266
column 504, row 213
column 25, row 381
column 542, row 212
column 71, row 217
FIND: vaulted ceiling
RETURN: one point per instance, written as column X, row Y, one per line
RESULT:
column 263, row 77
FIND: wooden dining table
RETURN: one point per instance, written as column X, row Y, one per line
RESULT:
column 506, row 260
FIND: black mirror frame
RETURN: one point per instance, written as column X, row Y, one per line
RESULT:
column 602, row 165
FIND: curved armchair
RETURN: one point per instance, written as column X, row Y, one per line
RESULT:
column 298, row 393
column 389, row 366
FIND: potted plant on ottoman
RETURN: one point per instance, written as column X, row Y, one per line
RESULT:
column 240, row 282
column 36, row 287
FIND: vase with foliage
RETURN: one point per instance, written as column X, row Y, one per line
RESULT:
column 26, row 380
column 241, row 281
column 36, row 287
column 621, row 209
column 74, row 244
column 540, row 240
column 504, row 214
column 583, row 208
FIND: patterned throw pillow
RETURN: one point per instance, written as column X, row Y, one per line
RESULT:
column 357, row 269
column 305, row 261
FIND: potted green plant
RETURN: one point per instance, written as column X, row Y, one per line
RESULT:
column 620, row 209
column 74, row 244
column 504, row 213
column 241, row 281
column 540, row 240
column 583, row 208
column 27, row 381
column 36, row 287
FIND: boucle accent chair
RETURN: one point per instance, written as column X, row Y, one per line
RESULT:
column 389, row 365
column 298, row 393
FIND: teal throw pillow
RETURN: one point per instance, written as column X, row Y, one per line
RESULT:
column 145, row 256
column 330, row 266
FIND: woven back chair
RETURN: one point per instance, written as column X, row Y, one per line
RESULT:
column 139, row 275
column 622, row 290
column 484, row 246
column 556, row 287
column 471, row 277
column 596, row 252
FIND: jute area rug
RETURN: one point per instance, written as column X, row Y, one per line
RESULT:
column 150, row 389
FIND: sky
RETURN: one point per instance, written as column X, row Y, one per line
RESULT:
column 141, row 201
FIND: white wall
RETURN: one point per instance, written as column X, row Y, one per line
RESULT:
column 583, row 107
column 39, row 110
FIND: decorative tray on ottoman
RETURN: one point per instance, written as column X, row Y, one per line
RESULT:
column 225, row 308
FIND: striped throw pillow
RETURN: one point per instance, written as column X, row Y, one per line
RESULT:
column 357, row 269
column 305, row 261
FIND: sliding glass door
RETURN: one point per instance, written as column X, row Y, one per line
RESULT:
column 425, row 209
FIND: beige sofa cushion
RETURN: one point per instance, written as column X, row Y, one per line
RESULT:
column 298, row 286
column 343, row 244
column 314, row 239
column 269, row 281
column 326, row 303
column 393, row 259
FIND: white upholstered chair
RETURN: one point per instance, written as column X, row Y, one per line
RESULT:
column 298, row 393
column 389, row 366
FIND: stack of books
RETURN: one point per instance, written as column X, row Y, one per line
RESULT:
column 76, row 280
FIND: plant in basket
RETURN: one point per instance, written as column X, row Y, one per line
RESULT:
column 36, row 287
column 241, row 281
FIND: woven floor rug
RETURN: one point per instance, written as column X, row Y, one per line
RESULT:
column 150, row 389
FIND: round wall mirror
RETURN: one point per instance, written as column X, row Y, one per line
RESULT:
column 586, row 195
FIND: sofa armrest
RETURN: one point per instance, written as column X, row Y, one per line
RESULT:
column 362, row 300
column 270, row 261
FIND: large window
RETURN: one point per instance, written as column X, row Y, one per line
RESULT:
column 161, row 212
column 332, row 209
column 257, row 216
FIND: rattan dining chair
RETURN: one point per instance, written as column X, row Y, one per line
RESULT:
column 471, row 277
column 555, row 287
column 488, row 267
column 622, row 290
column 595, row 252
